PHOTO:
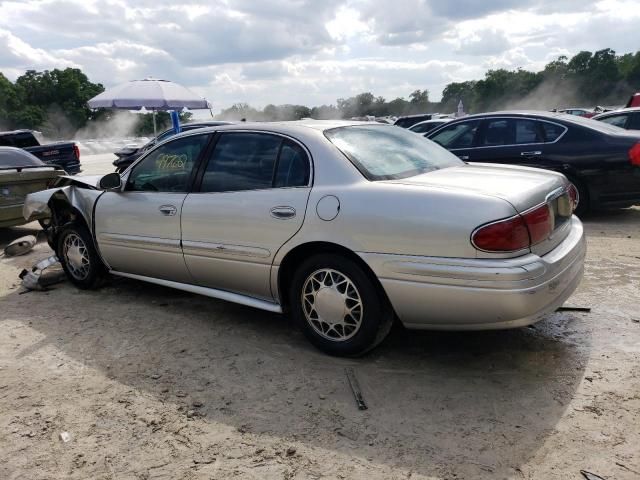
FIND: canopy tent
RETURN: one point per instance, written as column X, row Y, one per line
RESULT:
column 150, row 94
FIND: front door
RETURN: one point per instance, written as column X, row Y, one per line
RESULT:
column 138, row 228
column 252, row 198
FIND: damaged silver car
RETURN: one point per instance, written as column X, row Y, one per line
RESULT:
column 346, row 226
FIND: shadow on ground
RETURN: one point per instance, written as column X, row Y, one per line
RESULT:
column 467, row 404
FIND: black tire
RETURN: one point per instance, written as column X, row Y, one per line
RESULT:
column 584, row 207
column 87, row 272
column 363, row 330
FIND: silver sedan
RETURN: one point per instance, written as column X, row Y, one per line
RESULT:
column 345, row 226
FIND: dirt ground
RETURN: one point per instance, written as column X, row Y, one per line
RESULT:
column 152, row 383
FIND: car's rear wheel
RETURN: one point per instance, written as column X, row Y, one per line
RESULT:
column 338, row 306
column 79, row 258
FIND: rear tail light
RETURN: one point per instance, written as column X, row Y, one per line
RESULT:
column 503, row 236
column 516, row 233
column 634, row 155
column 76, row 150
column 574, row 196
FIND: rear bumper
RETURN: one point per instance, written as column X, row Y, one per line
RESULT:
column 474, row 294
column 11, row 216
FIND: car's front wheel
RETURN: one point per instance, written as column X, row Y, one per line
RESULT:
column 338, row 306
column 79, row 257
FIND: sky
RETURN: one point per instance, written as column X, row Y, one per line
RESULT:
column 308, row 52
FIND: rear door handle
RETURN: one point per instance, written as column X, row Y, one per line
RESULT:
column 168, row 210
column 463, row 157
column 535, row 153
column 283, row 213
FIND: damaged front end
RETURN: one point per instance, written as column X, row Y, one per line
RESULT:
column 71, row 199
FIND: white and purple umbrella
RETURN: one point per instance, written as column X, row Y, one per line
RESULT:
column 150, row 94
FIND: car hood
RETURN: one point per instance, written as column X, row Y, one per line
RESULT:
column 523, row 187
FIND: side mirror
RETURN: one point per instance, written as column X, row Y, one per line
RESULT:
column 110, row 181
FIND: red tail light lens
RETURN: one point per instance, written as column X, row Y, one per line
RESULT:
column 76, row 150
column 574, row 196
column 504, row 236
column 539, row 223
column 634, row 155
column 516, row 233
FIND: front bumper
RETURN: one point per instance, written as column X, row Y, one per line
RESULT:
column 478, row 294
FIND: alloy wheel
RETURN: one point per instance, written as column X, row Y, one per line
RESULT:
column 76, row 256
column 332, row 304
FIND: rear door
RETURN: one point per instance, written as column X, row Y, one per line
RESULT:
column 138, row 229
column 252, row 198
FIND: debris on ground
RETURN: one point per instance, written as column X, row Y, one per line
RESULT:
column 20, row 246
column 43, row 274
column 573, row 309
column 355, row 388
column 65, row 437
column 591, row 476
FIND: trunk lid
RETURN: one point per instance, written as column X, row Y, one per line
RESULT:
column 15, row 185
column 523, row 187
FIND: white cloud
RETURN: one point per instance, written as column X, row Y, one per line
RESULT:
column 305, row 51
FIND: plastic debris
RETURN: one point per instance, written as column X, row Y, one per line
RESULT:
column 574, row 309
column 591, row 476
column 65, row 437
column 355, row 388
column 43, row 274
column 20, row 246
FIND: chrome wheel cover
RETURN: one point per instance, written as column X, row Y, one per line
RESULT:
column 76, row 256
column 332, row 305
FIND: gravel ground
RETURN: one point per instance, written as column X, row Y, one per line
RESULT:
column 150, row 382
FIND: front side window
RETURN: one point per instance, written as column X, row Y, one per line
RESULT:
column 459, row 135
column 387, row 153
column 616, row 120
column 255, row 161
column 169, row 167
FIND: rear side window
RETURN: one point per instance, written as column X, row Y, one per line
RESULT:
column 634, row 121
column 552, row 131
column 527, row 132
column 20, row 140
column 616, row 120
column 459, row 135
column 497, row 132
column 255, row 161
column 18, row 158
column 293, row 166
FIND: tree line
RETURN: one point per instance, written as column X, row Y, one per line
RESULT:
column 55, row 101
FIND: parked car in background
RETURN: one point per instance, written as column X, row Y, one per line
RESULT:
column 409, row 120
column 627, row 118
column 127, row 155
column 428, row 125
column 602, row 161
column 63, row 154
column 303, row 217
column 21, row 173
column 579, row 112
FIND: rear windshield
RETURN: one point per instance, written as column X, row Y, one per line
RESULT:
column 386, row 152
column 592, row 124
column 10, row 157
column 20, row 140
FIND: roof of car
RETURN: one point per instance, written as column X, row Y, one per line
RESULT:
column 617, row 112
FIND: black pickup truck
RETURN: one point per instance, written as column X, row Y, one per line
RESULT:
column 63, row 154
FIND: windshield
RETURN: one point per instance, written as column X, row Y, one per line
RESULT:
column 386, row 153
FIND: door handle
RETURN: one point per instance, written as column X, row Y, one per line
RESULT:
column 464, row 157
column 168, row 210
column 531, row 154
column 283, row 213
